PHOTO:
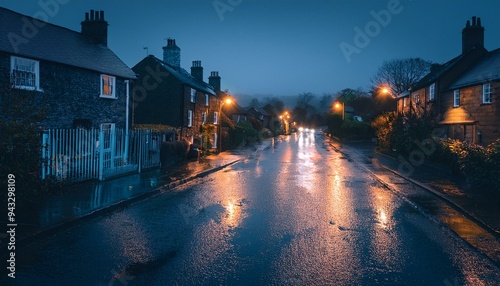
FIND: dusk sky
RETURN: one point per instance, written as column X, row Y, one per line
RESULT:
column 275, row 48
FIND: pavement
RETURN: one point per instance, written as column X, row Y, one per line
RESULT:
column 43, row 217
column 91, row 200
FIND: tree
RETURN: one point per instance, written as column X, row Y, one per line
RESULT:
column 254, row 102
column 348, row 95
column 399, row 75
column 304, row 112
column 275, row 102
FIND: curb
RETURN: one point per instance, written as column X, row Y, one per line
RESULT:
column 117, row 206
column 434, row 192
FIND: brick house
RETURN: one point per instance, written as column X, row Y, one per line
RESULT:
column 73, row 76
column 452, row 92
column 167, row 94
column 473, row 103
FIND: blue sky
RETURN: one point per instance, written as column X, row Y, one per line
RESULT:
column 281, row 47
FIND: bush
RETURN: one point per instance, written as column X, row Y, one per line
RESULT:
column 480, row 165
column 356, row 130
column 173, row 152
column 384, row 126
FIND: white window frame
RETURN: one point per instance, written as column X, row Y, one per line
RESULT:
column 15, row 65
column 189, row 118
column 456, row 98
column 416, row 98
column 206, row 100
column 204, row 117
column 432, row 92
column 216, row 117
column 486, row 93
column 193, row 95
column 113, row 87
column 214, row 140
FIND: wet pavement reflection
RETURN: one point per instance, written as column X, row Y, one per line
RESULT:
column 298, row 213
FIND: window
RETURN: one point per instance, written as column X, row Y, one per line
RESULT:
column 456, row 98
column 404, row 101
column 206, row 99
column 108, row 86
column 204, row 117
column 416, row 98
column 25, row 73
column 214, row 140
column 190, row 118
column 216, row 117
column 487, row 93
column 432, row 92
column 193, row 95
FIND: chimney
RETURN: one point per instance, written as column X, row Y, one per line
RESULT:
column 95, row 27
column 214, row 80
column 172, row 54
column 472, row 35
column 197, row 70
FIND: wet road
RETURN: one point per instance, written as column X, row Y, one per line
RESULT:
column 298, row 213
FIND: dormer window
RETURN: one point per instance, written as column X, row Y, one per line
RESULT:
column 108, row 86
column 25, row 73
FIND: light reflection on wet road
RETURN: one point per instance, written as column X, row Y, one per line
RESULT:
column 296, row 214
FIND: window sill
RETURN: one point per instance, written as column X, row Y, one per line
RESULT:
column 107, row 96
column 27, row 88
column 485, row 103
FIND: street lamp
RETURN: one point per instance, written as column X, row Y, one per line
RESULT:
column 225, row 101
column 338, row 105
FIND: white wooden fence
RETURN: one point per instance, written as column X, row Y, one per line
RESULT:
column 77, row 154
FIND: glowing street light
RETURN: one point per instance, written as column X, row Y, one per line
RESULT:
column 339, row 105
column 228, row 100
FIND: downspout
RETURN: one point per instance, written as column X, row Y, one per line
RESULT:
column 127, row 92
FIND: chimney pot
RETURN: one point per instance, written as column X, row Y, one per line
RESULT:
column 86, row 16
column 474, row 21
column 92, row 14
column 478, row 22
column 102, row 15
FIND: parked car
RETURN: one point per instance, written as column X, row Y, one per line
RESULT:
column 194, row 152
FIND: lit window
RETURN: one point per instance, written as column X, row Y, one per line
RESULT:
column 216, row 117
column 456, row 98
column 190, row 118
column 193, row 95
column 25, row 73
column 487, row 93
column 432, row 92
column 108, row 86
column 404, row 101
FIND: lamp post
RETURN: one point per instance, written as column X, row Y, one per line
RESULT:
column 339, row 105
column 219, row 119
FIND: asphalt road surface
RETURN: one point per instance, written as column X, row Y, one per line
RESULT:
column 298, row 213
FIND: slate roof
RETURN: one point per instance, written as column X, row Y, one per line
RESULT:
column 185, row 77
column 434, row 75
column 58, row 44
column 257, row 111
column 486, row 70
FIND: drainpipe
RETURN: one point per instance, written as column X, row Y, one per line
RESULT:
column 127, row 92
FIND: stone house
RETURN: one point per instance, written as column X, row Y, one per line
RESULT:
column 73, row 76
